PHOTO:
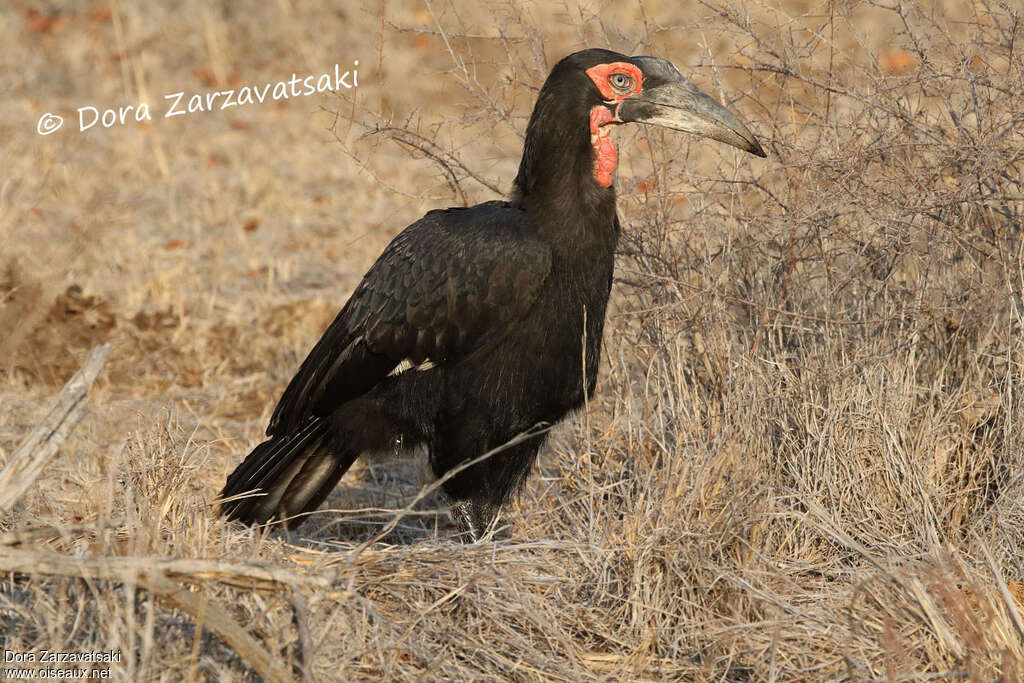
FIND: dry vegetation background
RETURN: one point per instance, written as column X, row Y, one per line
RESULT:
column 805, row 459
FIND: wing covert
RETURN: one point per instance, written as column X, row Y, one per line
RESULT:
column 450, row 284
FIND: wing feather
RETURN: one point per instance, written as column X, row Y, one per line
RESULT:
column 450, row 284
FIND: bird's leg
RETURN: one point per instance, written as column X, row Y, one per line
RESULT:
column 478, row 493
column 462, row 515
column 475, row 519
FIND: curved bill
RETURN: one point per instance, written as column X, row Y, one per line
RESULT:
column 670, row 100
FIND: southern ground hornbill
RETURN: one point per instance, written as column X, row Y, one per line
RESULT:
column 476, row 325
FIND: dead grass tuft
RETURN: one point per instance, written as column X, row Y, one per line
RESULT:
column 804, row 458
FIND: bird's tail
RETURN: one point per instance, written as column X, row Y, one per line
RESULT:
column 285, row 476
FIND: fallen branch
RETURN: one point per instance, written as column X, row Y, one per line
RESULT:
column 253, row 577
column 45, row 533
column 39, row 447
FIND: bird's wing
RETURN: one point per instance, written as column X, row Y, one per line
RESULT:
column 450, row 284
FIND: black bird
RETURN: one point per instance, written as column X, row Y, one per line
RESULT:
column 479, row 324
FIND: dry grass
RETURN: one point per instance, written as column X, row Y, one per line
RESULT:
column 805, row 457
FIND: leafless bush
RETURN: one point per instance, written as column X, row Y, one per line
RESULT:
column 814, row 365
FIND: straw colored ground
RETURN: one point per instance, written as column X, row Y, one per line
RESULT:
column 805, row 457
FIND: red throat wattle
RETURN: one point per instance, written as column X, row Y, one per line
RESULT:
column 606, row 158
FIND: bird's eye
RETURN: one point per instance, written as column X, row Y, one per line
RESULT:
column 622, row 82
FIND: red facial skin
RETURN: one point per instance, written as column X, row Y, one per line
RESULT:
column 606, row 157
column 601, row 73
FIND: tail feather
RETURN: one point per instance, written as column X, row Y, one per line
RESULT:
column 288, row 475
column 266, row 460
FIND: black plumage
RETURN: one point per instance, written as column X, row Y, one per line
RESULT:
column 478, row 324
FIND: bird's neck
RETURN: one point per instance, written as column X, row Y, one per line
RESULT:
column 557, row 183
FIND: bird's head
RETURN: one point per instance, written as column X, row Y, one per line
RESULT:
column 601, row 88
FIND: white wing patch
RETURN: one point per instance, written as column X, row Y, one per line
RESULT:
column 407, row 365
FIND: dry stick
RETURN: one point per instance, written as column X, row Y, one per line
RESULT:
column 153, row 576
column 39, row 447
column 300, row 615
column 197, row 636
column 43, row 533
column 249, row 576
column 1012, row 609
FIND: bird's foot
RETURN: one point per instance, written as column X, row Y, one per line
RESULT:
column 476, row 520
